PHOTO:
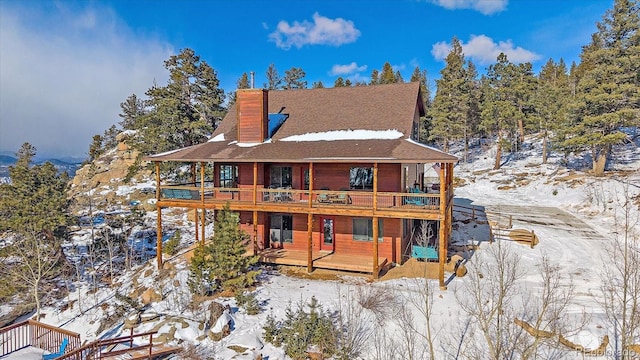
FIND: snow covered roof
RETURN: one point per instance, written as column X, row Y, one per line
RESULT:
column 367, row 123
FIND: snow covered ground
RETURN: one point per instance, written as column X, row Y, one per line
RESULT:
column 574, row 215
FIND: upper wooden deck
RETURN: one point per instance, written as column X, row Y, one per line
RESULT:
column 322, row 202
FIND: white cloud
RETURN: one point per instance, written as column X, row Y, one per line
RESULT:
column 64, row 72
column 346, row 69
column 486, row 7
column 484, row 51
column 322, row 31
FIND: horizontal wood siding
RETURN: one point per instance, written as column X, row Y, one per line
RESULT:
column 344, row 242
column 336, row 176
column 252, row 115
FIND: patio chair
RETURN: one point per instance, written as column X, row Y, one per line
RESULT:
column 60, row 352
column 343, row 198
column 323, row 197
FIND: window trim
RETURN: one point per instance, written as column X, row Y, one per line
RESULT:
column 228, row 182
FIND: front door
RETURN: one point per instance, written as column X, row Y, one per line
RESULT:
column 327, row 242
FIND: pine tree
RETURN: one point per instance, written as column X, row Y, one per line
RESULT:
column 339, row 82
column 242, row 83
column 608, row 88
column 223, row 263
column 551, row 101
column 274, row 81
column 450, row 105
column 293, row 79
column 186, row 110
column 375, row 77
column 387, row 75
column 132, row 109
column 33, row 207
column 421, row 77
column 317, row 85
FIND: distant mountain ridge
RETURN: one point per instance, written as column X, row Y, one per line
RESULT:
column 69, row 167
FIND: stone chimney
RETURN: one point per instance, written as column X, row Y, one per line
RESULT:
column 252, row 112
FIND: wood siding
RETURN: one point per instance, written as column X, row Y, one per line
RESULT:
column 389, row 247
column 253, row 120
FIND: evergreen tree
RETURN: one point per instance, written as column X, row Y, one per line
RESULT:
column 608, row 88
column 274, row 81
column 293, row 79
column 347, row 82
column 398, row 77
column 421, row 77
column 186, row 110
column 474, row 99
column 132, row 109
column 35, row 198
column 95, row 148
column 317, row 85
column 450, row 106
column 242, row 83
column 223, row 262
column 339, row 82
column 550, row 101
column 387, row 75
column 33, row 208
column 375, row 77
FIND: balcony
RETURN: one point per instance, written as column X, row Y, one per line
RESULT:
column 346, row 202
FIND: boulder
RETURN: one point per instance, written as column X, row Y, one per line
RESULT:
column 222, row 327
column 132, row 320
column 150, row 296
column 215, row 311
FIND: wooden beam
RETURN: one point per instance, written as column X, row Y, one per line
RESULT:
column 255, row 233
column 309, row 242
column 375, row 187
column 255, row 183
column 202, row 228
column 310, row 185
column 159, row 219
column 202, row 181
column 375, row 229
column 196, row 220
column 159, row 237
column 442, row 244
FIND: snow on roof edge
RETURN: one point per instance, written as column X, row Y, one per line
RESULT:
column 359, row 134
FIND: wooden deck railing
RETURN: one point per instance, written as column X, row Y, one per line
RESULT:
column 399, row 201
column 101, row 349
column 33, row 333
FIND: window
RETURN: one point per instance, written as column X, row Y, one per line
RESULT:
column 363, row 229
column 281, row 229
column 306, row 179
column 228, row 176
column 280, row 176
column 361, row 178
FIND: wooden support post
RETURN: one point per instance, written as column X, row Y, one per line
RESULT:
column 255, row 232
column 310, row 184
column 159, row 219
column 255, row 183
column 510, row 221
column 309, row 242
column 202, row 182
column 159, row 237
column 376, row 270
column 202, row 228
column 196, row 220
column 442, row 243
column 375, row 187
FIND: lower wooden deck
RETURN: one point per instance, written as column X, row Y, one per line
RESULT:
column 322, row 260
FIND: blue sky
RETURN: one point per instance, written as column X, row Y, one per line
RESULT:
column 65, row 66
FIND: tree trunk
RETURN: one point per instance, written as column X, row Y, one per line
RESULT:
column 521, row 130
column 599, row 162
column 496, row 166
column 36, row 298
column 544, row 148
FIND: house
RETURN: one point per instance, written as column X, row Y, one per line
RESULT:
column 318, row 175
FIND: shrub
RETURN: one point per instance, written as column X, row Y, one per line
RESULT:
column 303, row 330
column 171, row 246
column 248, row 302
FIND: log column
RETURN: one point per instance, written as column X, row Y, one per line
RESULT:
column 442, row 243
column 374, row 224
column 159, row 219
column 310, row 223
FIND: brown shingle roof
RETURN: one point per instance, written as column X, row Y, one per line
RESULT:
column 381, row 107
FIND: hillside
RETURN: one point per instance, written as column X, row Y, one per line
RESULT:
column 575, row 216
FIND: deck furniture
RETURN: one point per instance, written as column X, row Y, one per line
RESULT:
column 60, row 352
column 426, row 253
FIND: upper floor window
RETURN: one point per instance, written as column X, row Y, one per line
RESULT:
column 228, row 176
column 280, row 176
column 306, row 179
column 361, row 178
